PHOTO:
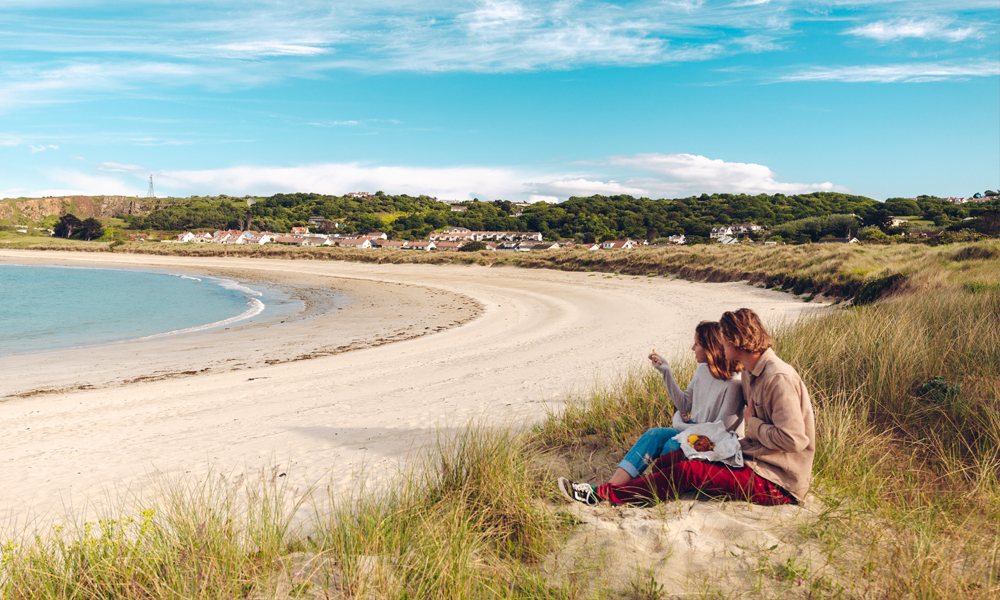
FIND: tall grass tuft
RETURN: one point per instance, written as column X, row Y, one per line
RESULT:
column 464, row 524
column 210, row 539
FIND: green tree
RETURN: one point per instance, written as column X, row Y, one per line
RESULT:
column 67, row 225
column 91, row 229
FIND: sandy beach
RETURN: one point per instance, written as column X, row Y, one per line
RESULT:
column 417, row 348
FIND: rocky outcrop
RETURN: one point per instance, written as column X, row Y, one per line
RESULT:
column 102, row 207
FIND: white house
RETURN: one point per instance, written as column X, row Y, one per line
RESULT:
column 720, row 232
column 396, row 244
column 676, row 239
column 316, row 240
column 612, row 244
column 746, row 228
column 426, row 246
column 187, row 236
column 727, row 240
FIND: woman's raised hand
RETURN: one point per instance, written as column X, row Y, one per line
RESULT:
column 656, row 359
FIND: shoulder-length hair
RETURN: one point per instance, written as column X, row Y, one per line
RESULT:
column 744, row 330
column 708, row 334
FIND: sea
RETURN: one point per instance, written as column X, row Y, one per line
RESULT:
column 48, row 307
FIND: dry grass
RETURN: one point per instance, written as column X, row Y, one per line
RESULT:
column 836, row 270
column 906, row 468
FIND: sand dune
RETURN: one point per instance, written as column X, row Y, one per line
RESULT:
column 500, row 344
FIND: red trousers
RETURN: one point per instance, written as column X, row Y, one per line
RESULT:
column 671, row 475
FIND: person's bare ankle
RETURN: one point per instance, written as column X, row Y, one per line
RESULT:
column 621, row 476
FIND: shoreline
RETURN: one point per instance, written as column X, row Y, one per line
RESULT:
column 499, row 345
column 327, row 315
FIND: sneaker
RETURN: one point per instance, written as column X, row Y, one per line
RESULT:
column 578, row 492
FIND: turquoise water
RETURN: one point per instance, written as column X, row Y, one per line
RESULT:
column 44, row 308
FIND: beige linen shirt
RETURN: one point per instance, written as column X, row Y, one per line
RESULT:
column 780, row 440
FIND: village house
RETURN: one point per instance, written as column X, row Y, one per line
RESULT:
column 746, row 228
column 395, row 244
column 258, row 239
column 544, row 246
column 720, row 232
column 300, row 230
column 448, row 245
column 376, row 235
column 354, row 242
column 288, row 240
column 427, row 246
column 850, row 240
column 614, row 244
column 676, row 239
column 187, row 236
column 315, row 240
column 459, row 208
column 507, row 246
column 358, row 195
column 726, row 240
column 897, row 222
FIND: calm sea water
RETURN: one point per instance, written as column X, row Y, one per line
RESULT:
column 44, row 308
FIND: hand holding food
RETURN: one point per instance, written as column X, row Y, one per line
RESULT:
column 701, row 443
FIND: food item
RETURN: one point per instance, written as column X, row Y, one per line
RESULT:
column 701, row 443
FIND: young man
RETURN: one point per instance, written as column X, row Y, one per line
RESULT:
column 778, row 448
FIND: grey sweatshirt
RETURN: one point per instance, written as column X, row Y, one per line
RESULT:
column 707, row 399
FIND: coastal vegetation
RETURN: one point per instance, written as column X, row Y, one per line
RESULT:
column 906, row 485
column 802, row 217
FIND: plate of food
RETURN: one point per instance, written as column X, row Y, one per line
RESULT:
column 711, row 442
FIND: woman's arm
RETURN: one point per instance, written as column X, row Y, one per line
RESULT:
column 681, row 399
column 679, row 423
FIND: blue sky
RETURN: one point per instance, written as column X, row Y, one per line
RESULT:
column 500, row 99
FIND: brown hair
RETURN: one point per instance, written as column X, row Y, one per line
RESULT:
column 744, row 330
column 708, row 334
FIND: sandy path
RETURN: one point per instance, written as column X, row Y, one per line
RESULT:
column 540, row 335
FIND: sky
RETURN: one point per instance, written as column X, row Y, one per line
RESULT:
column 514, row 99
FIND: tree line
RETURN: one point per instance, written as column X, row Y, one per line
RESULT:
column 593, row 218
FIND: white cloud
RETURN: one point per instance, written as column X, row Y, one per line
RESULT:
column 587, row 187
column 681, row 174
column 927, row 28
column 113, row 167
column 42, row 148
column 643, row 175
column 898, row 73
column 86, row 184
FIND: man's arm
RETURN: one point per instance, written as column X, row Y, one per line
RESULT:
column 780, row 402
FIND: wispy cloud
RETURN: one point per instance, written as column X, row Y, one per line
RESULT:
column 42, row 148
column 897, row 73
column 926, row 28
column 269, row 48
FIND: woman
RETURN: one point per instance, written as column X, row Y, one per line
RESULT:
column 778, row 449
column 714, row 394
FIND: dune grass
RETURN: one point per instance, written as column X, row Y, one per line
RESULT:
column 836, row 270
column 907, row 402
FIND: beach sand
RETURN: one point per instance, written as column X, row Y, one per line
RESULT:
column 418, row 348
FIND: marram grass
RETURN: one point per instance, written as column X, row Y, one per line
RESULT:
column 907, row 401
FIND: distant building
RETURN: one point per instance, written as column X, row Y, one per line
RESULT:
column 359, row 195
column 720, row 232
